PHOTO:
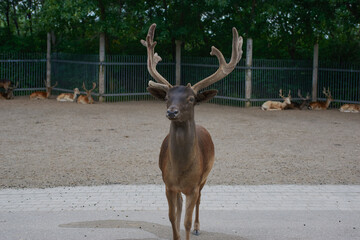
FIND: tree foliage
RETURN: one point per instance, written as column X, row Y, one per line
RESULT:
column 279, row 28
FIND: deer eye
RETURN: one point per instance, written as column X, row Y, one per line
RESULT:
column 191, row 99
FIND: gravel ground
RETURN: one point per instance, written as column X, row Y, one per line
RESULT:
column 48, row 143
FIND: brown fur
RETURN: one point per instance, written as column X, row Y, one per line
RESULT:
column 9, row 93
column 353, row 108
column 5, row 83
column 187, row 153
column 186, row 156
column 68, row 97
column 42, row 95
column 322, row 105
column 86, row 99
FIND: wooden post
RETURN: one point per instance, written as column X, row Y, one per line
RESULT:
column 178, row 62
column 102, row 67
column 249, row 47
column 48, row 60
column 315, row 72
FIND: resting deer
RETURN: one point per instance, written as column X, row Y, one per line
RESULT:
column 9, row 94
column 273, row 105
column 86, row 99
column 5, row 83
column 68, row 97
column 187, row 152
column 353, row 108
column 43, row 95
column 297, row 105
column 322, row 105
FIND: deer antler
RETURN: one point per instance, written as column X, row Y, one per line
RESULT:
column 281, row 95
column 300, row 96
column 55, row 85
column 94, row 86
column 224, row 68
column 153, row 58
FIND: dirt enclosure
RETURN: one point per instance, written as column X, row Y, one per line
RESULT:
column 48, row 143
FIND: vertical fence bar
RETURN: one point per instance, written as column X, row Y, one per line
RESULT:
column 48, row 60
column 315, row 72
column 102, row 67
column 178, row 62
column 248, row 72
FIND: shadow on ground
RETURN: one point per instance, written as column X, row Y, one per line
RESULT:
column 161, row 231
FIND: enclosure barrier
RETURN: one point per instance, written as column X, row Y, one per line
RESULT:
column 126, row 77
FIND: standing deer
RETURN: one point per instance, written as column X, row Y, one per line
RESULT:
column 353, row 108
column 322, row 105
column 187, row 152
column 297, row 105
column 9, row 94
column 86, row 99
column 68, row 97
column 43, row 95
column 273, row 105
column 5, row 83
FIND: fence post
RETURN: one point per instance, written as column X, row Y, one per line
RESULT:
column 178, row 62
column 315, row 72
column 48, row 60
column 249, row 44
column 102, row 67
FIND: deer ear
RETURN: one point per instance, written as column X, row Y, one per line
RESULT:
column 157, row 93
column 205, row 96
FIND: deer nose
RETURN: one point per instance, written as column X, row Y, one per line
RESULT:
column 172, row 113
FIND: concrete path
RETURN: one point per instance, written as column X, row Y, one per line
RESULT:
column 140, row 212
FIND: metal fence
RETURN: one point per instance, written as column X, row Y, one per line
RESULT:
column 126, row 77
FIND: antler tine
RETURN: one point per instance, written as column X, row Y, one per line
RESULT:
column 153, row 58
column 94, row 86
column 280, row 93
column 326, row 93
column 299, row 94
column 55, row 85
column 83, row 86
column 289, row 94
column 224, row 68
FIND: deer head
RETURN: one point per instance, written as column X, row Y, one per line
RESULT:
column 181, row 99
column 327, row 94
column 286, row 99
column 49, row 88
column 9, row 94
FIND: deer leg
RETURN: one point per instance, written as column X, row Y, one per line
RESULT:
column 191, row 200
column 178, row 210
column 197, row 222
column 172, row 202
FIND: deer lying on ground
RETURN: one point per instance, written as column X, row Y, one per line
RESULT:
column 42, row 95
column 274, row 105
column 322, row 105
column 68, row 97
column 9, row 94
column 86, row 99
column 353, row 108
column 187, row 152
column 297, row 105
column 5, row 83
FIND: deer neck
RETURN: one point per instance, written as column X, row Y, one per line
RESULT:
column 283, row 104
column 183, row 142
column 328, row 101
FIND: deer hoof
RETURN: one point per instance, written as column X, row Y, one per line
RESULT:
column 196, row 232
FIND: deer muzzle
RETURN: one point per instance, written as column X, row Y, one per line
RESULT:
column 172, row 113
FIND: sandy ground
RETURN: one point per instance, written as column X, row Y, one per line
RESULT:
column 48, row 143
